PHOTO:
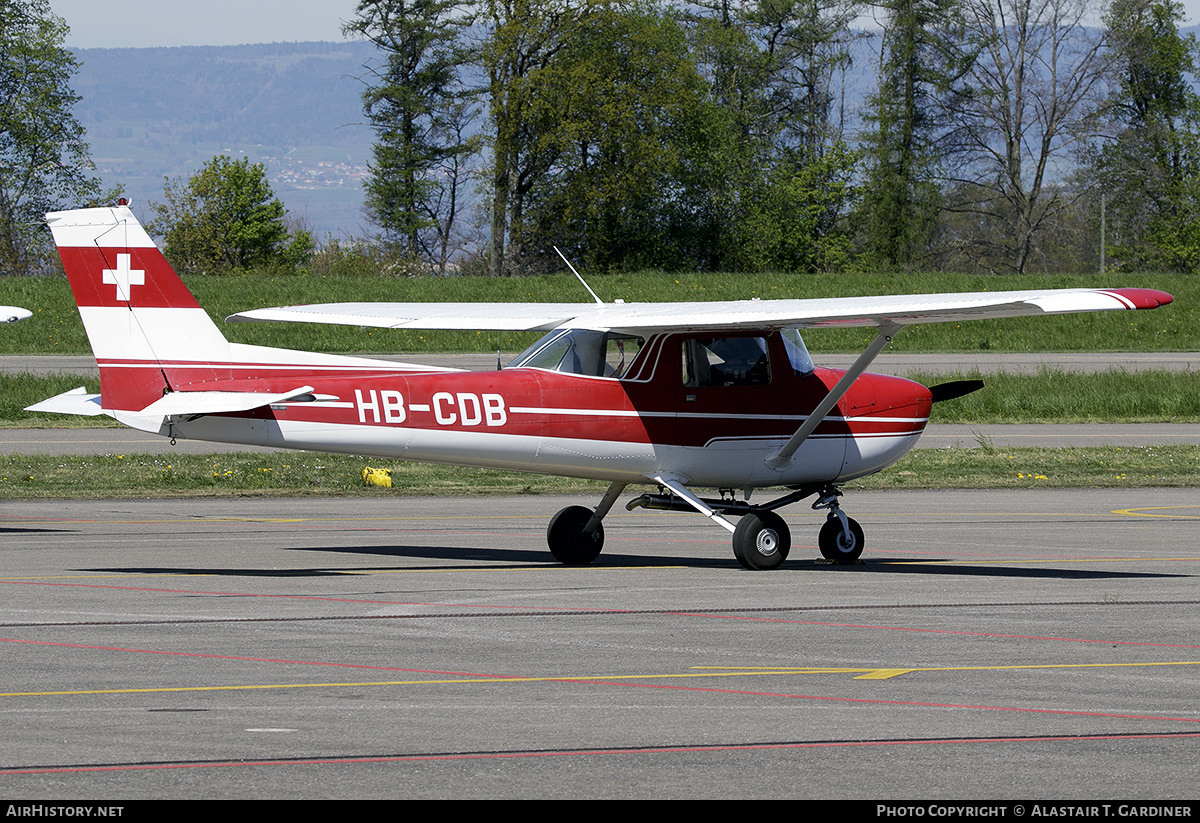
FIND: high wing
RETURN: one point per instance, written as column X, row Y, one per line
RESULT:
column 897, row 310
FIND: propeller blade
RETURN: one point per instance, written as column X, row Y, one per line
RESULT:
column 953, row 389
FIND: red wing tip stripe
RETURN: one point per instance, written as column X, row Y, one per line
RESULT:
column 1140, row 298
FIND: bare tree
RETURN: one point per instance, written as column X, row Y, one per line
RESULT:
column 1037, row 86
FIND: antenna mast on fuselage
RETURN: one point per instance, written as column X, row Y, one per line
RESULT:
column 580, row 276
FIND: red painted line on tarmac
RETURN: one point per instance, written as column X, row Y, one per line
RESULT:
column 945, row 631
column 271, row 596
column 733, row 747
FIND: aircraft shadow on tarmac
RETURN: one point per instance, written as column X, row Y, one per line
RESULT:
column 534, row 557
column 925, row 567
column 456, row 556
column 796, row 562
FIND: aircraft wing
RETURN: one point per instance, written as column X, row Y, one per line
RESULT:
column 892, row 310
column 469, row 316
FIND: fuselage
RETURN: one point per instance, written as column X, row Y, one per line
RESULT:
column 652, row 418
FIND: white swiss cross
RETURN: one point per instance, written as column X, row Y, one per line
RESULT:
column 123, row 277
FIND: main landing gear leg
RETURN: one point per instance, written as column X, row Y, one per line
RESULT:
column 575, row 534
column 841, row 538
column 761, row 539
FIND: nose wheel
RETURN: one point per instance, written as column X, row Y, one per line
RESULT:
column 841, row 538
column 840, row 542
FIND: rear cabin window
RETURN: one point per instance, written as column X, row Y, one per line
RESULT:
column 725, row 361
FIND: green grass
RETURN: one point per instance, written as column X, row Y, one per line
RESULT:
column 22, row 389
column 298, row 474
column 989, row 467
column 55, row 326
column 1056, row 396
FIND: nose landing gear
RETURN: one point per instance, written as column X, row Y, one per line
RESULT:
column 841, row 538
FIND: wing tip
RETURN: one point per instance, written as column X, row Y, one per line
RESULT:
column 1144, row 298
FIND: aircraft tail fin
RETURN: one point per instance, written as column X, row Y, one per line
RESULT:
column 149, row 335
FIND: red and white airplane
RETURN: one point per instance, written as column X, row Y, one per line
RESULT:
column 680, row 396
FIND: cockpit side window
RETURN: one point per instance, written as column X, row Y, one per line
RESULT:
column 578, row 351
column 725, row 361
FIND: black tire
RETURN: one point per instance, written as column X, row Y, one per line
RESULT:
column 762, row 541
column 569, row 545
column 832, row 540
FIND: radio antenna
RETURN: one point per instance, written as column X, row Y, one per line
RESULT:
column 580, row 276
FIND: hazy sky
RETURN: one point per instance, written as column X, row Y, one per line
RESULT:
column 134, row 23
column 131, row 23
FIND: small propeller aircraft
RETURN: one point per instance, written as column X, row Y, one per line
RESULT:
column 679, row 396
column 11, row 314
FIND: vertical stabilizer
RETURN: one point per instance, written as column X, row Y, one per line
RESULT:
column 147, row 331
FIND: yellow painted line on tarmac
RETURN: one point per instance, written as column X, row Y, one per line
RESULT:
column 885, row 674
column 698, row 672
column 1146, row 512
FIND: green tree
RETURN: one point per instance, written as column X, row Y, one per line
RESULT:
column 922, row 66
column 43, row 159
column 618, row 107
column 1149, row 166
column 416, row 104
column 768, row 182
column 226, row 216
column 1036, row 88
column 520, row 40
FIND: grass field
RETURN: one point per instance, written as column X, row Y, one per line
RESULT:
column 296, row 474
column 55, row 327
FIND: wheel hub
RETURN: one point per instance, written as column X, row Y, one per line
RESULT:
column 767, row 542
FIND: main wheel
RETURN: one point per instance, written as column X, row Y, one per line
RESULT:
column 761, row 541
column 566, row 538
column 833, row 542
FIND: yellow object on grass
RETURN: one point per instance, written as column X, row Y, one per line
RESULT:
column 377, row 477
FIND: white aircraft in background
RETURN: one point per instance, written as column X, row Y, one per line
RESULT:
column 11, row 314
column 678, row 396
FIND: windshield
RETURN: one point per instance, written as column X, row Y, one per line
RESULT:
column 797, row 352
column 578, row 351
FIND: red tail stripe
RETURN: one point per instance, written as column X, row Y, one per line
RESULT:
column 160, row 287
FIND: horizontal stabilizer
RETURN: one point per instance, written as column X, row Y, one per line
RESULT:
column 218, row 402
column 75, row 401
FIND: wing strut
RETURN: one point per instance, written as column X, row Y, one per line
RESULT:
column 781, row 459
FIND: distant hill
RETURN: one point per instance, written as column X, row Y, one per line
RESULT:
column 293, row 106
